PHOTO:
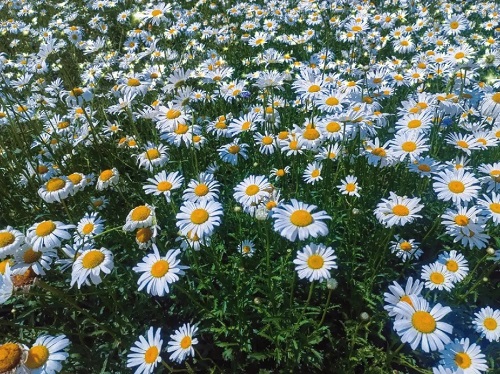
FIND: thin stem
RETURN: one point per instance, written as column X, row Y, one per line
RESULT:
column 327, row 304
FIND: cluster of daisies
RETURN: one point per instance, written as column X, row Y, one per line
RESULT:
column 46, row 355
column 298, row 103
column 422, row 326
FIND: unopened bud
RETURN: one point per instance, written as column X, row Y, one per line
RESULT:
column 364, row 316
column 237, row 209
column 332, row 283
column 490, row 251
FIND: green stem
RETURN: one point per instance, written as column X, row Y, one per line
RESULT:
column 327, row 304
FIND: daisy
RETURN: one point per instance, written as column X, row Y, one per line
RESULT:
column 163, row 183
column 397, row 294
column 13, row 357
column 266, row 142
column 153, row 156
column 145, row 236
column 199, row 218
column 408, row 144
column 424, row 166
column 46, row 354
column 279, row 173
column 10, row 241
column 252, row 190
column 312, row 174
column 39, row 261
column 205, row 188
column 181, row 343
column 246, row 248
column 487, row 323
column 398, row 210
column 406, row 249
column 459, row 186
column 463, row 219
column 107, row 178
column 490, row 106
column 492, row 178
column 231, row 152
column 89, row 264
column 158, row 272
column 79, row 181
column 420, row 326
column 140, row 216
column 315, row 262
column 455, row 263
column 47, row 234
column 415, row 122
column 146, row 353
column 56, row 189
column 297, row 220
column 437, row 277
column 463, row 357
column 491, row 207
column 89, row 226
column 349, row 186
column 6, row 285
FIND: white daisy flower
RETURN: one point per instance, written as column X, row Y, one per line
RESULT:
column 89, row 265
column 397, row 294
column 46, row 354
column 463, row 357
column 163, row 183
column 158, row 272
column 398, row 210
column 47, row 234
column 140, row 216
column 10, row 241
column 420, row 326
column 181, row 343
column 146, row 353
column 315, row 262
column 56, row 189
column 199, row 219
column 459, row 186
column 296, row 220
column 487, row 322
column 436, row 276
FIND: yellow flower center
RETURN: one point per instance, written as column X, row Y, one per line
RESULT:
column 311, row 134
column 31, row 256
column 88, row 228
column 234, row 149
column 144, row 234
column 10, row 356
column 452, row 265
column 490, row 323
column 220, row 125
column 437, row 278
column 400, row 210
column 406, row 299
column 252, row 189
column 164, row 186
column 267, row 140
column 201, row 190
column 314, row 88
column 456, row 187
column 181, row 129
column 37, row 356
column 160, row 268
column 199, row 216
column 425, row 168
column 133, row 82
column 454, row 25
column 280, row 173
column 156, row 12
column 423, row 322
column 461, row 220
column 405, row 43
column 173, row 114
column 406, row 246
column 315, row 262
column 271, row 204
column 350, row 187
column 45, row 228
column 152, row 154
column 151, row 355
column 496, row 97
column 463, row 360
column 356, row 28
column 106, row 175
column 42, row 169
column 459, row 55
column 380, row 152
column 315, row 173
column 75, row 178
column 351, row 84
column 495, row 208
column 62, row 125
column 6, row 238
column 185, row 342
column 409, row 146
column 333, row 127
column 246, row 125
column 414, row 123
column 301, row 218
column 140, row 213
column 92, row 259
column 462, row 144
column 55, row 184
column 332, row 101
column 495, row 175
